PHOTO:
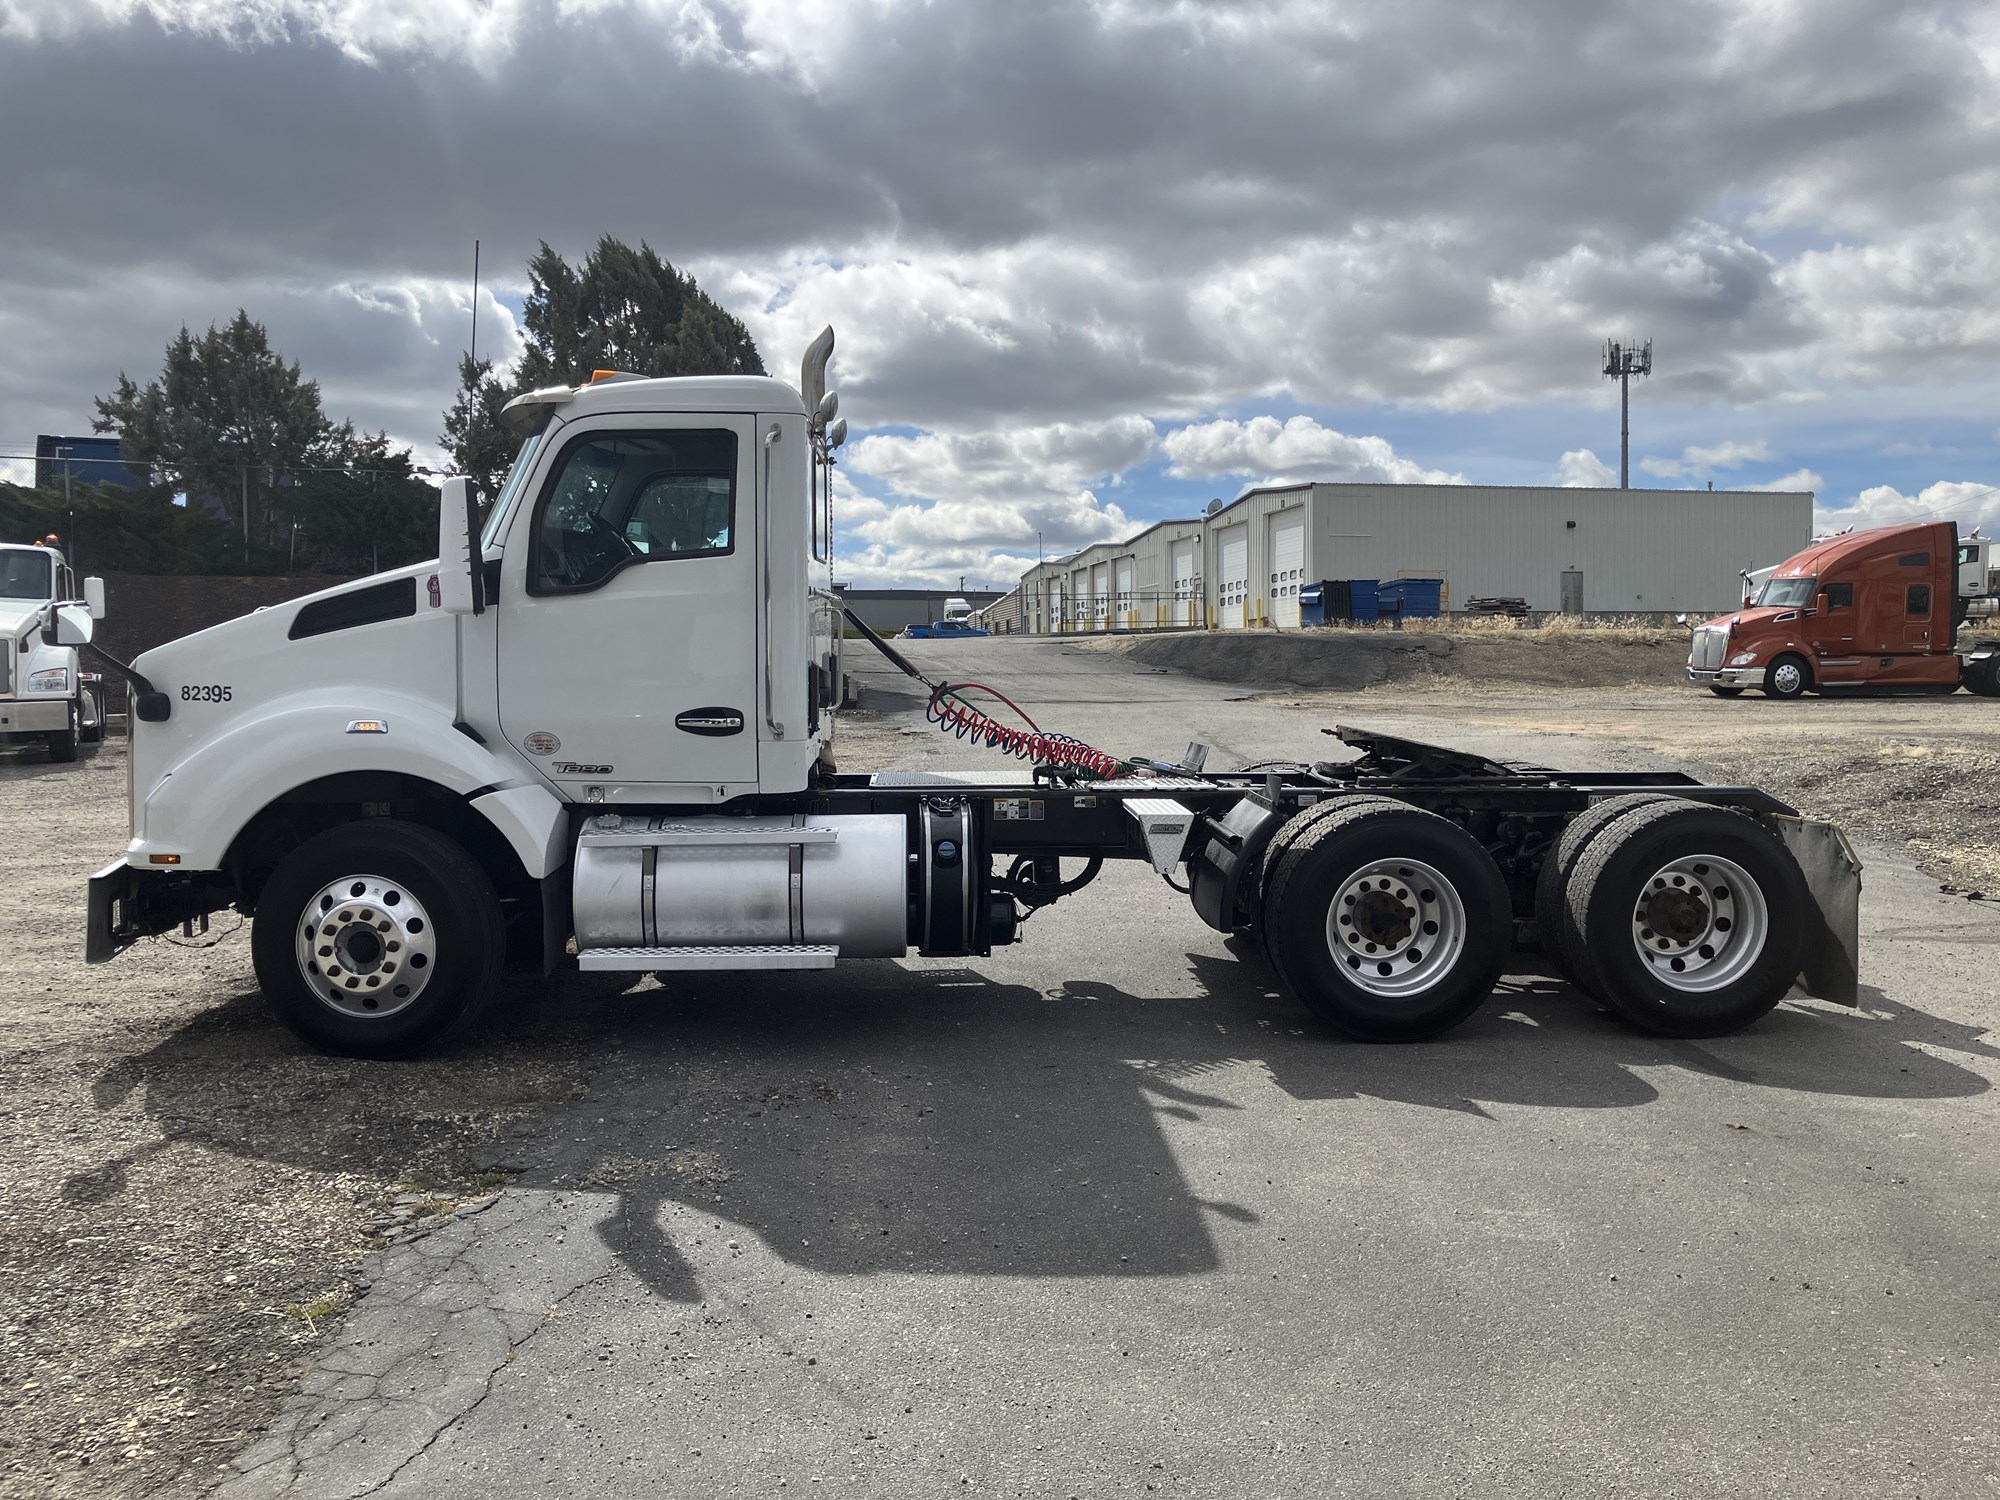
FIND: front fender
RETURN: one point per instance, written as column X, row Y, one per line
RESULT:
column 196, row 809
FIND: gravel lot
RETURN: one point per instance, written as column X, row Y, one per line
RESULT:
column 192, row 1195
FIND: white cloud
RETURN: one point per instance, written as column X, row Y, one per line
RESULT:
column 1700, row 462
column 1798, row 479
column 1296, row 449
column 1967, row 502
column 1043, row 229
column 1580, row 469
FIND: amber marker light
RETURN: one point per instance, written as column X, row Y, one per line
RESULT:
column 163, row 859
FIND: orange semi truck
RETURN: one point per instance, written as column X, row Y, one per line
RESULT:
column 1905, row 609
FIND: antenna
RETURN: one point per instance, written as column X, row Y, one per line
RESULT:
column 1621, row 363
column 473, row 353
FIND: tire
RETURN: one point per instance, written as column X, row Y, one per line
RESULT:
column 63, row 743
column 1694, row 917
column 1558, row 936
column 424, row 906
column 1982, row 677
column 93, row 734
column 1725, row 692
column 1787, row 677
column 1435, row 904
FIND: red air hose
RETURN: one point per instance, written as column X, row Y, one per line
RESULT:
column 952, row 713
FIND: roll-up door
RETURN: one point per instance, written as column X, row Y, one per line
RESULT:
column 1287, row 551
column 1122, row 572
column 1233, row 584
column 1183, row 575
column 1100, row 594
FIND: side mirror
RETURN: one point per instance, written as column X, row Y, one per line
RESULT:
column 459, row 563
column 93, row 596
column 72, row 626
column 1819, row 604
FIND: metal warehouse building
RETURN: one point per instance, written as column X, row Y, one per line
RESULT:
column 1577, row 551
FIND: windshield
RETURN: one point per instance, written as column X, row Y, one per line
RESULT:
column 25, row 575
column 510, row 488
column 1787, row 593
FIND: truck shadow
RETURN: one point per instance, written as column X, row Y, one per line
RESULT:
column 934, row 1121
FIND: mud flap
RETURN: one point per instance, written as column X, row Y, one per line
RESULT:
column 1833, row 873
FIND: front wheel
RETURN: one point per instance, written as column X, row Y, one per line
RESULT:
column 377, row 938
column 63, row 743
column 1694, row 917
column 1787, row 677
column 1725, row 692
column 1390, row 923
column 93, row 725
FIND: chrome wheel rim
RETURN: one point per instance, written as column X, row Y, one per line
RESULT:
column 1786, row 677
column 1700, row 923
column 1396, row 927
column 366, row 946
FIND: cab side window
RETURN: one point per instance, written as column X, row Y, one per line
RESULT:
column 1917, row 600
column 618, row 499
column 1839, row 596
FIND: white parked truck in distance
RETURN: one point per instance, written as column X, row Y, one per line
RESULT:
column 45, row 694
column 602, row 720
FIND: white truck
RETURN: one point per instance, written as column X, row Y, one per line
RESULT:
column 601, row 722
column 45, row 694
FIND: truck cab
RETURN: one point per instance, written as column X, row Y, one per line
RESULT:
column 1876, row 610
column 45, row 695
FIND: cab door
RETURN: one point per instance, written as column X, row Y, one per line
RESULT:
column 627, row 625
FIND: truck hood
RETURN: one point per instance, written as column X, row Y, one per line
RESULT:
column 1753, row 621
column 16, row 615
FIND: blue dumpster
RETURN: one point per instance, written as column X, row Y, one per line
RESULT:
column 1411, row 598
column 1364, row 601
column 1337, row 601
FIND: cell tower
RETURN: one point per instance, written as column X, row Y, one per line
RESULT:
column 1621, row 363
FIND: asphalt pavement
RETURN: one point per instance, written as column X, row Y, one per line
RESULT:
column 1109, row 1214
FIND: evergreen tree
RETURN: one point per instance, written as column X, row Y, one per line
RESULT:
column 623, row 309
column 629, row 310
column 225, row 420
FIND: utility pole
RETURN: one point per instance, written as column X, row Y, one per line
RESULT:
column 1621, row 362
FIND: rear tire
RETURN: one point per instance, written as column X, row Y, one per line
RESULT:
column 1982, row 677
column 1389, row 923
column 1693, row 917
column 1787, row 677
column 1560, row 941
column 63, row 743
column 376, row 939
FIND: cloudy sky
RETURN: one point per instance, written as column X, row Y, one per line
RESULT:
column 1091, row 263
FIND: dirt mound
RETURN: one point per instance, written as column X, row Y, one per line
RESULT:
column 1352, row 660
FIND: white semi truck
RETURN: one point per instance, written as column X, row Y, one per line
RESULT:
column 45, row 694
column 600, row 724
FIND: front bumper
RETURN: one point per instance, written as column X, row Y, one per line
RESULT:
column 127, row 904
column 1727, row 677
column 33, row 715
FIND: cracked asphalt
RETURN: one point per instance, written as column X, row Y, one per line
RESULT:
column 1107, row 1214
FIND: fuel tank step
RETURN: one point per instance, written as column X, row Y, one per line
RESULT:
column 735, row 956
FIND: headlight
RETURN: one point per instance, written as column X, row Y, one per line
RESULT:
column 1742, row 658
column 49, row 680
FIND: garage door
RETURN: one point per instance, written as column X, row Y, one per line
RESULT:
column 1183, row 581
column 1100, row 595
column 1055, row 616
column 1232, row 586
column 1287, row 554
column 1125, row 604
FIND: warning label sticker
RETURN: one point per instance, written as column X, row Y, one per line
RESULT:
column 1018, row 810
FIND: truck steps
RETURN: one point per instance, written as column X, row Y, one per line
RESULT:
column 735, row 956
